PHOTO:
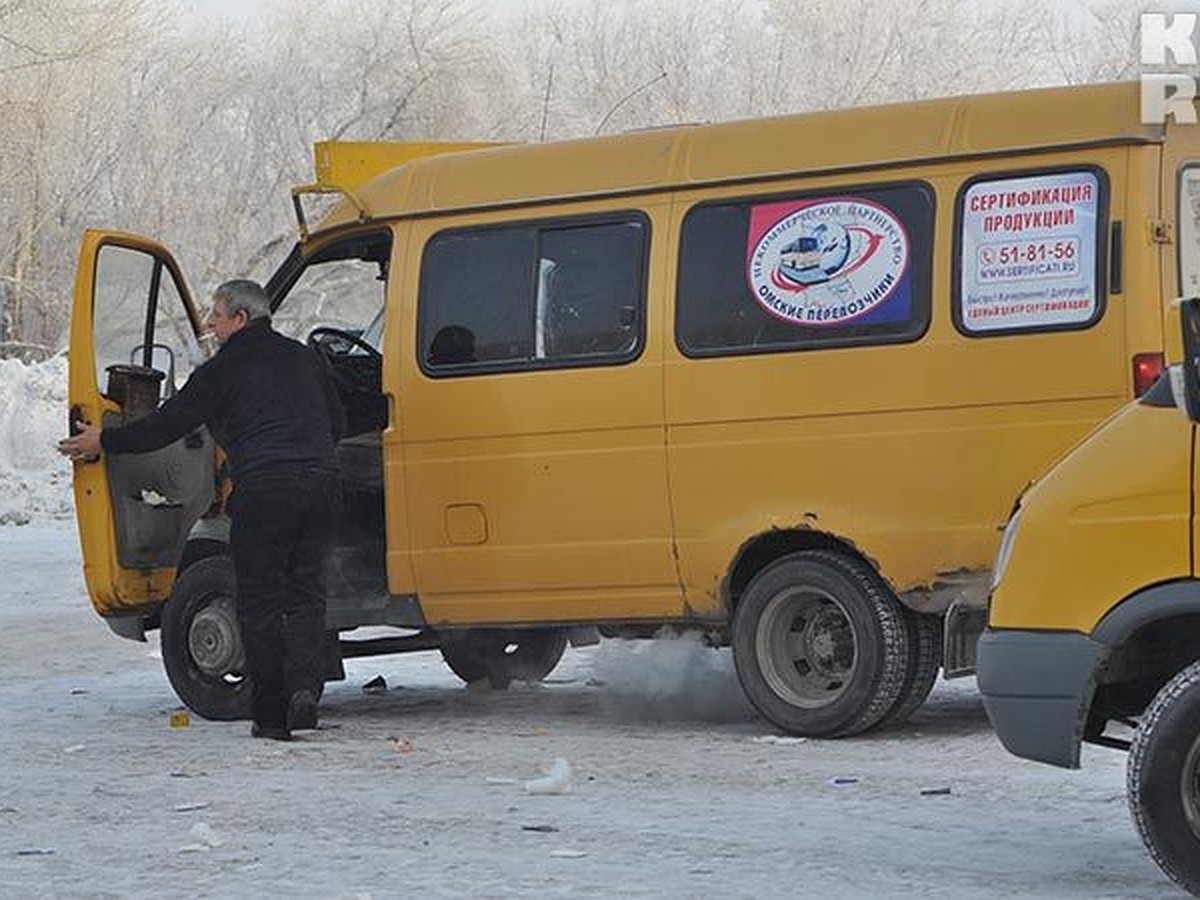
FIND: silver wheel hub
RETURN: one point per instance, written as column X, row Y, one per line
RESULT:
column 806, row 646
column 214, row 640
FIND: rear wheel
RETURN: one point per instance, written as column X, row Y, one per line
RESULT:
column 503, row 655
column 1163, row 778
column 820, row 644
column 924, row 664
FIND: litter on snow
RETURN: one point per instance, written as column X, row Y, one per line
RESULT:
column 377, row 685
column 205, row 839
column 778, row 739
column 556, row 780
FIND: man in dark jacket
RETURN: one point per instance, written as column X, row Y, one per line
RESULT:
column 269, row 403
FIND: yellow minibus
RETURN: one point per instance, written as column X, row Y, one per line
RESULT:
column 774, row 380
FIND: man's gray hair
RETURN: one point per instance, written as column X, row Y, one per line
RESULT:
column 243, row 295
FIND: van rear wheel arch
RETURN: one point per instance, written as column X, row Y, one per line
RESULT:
column 764, row 549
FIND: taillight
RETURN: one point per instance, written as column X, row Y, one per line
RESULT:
column 1146, row 369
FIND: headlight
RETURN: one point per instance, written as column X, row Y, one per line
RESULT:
column 1006, row 545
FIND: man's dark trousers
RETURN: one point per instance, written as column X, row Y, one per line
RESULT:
column 282, row 527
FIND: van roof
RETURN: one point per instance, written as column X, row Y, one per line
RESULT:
column 688, row 156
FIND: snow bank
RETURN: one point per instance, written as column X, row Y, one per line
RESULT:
column 35, row 482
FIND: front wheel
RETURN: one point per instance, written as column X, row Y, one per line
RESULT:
column 1163, row 778
column 820, row 644
column 201, row 642
column 503, row 655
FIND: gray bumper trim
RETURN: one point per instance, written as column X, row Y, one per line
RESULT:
column 1037, row 687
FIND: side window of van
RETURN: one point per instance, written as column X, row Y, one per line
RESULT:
column 808, row 271
column 533, row 295
column 1189, row 230
column 1029, row 252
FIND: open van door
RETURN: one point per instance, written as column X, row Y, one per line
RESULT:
column 134, row 340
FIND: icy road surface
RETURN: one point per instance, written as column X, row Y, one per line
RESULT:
column 420, row 791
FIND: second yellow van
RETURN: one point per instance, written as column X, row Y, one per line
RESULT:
column 1094, row 628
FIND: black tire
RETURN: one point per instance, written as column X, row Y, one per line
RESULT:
column 1163, row 778
column 820, row 644
column 924, row 664
column 198, row 549
column 503, row 655
column 201, row 620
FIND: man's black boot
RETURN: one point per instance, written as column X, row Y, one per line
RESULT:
column 302, row 711
column 271, row 732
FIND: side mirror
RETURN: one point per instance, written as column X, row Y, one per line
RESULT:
column 1183, row 354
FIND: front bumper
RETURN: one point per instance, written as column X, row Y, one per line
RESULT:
column 1037, row 687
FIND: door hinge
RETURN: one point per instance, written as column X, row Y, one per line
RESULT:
column 1161, row 231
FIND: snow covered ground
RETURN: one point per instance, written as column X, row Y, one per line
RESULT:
column 676, row 788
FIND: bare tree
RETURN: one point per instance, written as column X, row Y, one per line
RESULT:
column 47, row 168
column 113, row 114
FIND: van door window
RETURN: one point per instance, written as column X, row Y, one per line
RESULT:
column 140, row 318
column 534, row 295
column 805, row 271
column 1030, row 252
column 1189, row 231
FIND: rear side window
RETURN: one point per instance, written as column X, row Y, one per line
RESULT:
column 1029, row 252
column 533, row 295
column 805, row 271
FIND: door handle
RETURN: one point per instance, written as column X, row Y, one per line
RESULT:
column 74, row 417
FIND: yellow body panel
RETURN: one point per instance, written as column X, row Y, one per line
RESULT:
column 1112, row 518
column 912, row 453
column 563, row 471
column 400, row 577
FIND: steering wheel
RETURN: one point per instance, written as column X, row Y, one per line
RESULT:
column 323, row 346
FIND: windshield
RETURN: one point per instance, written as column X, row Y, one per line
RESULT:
column 372, row 334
